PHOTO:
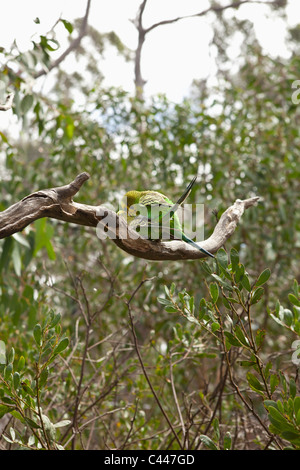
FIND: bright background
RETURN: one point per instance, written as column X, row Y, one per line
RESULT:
column 173, row 55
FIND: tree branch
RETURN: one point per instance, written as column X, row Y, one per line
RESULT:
column 142, row 32
column 215, row 9
column 74, row 44
column 8, row 102
column 57, row 203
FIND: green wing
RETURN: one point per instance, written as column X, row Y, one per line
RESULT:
column 158, row 218
column 155, row 220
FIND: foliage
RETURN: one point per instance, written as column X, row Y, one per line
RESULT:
column 227, row 321
column 24, row 385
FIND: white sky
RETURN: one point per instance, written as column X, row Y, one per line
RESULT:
column 173, row 55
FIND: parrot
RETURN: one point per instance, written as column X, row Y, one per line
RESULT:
column 153, row 215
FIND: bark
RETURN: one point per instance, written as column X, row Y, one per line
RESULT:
column 8, row 102
column 57, row 203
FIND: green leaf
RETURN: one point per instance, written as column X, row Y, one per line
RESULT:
column 214, row 292
column 222, row 282
column 11, row 356
column 274, row 381
column 16, row 414
column 240, row 336
column 226, row 303
column 296, row 288
column 255, row 383
column 37, row 333
column 293, row 388
column 260, row 334
column 215, row 326
column 297, row 405
column 245, row 282
column 268, row 403
column 288, row 316
column 32, row 424
column 247, row 363
column 263, row 278
column 43, row 377
column 208, row 442
column 293, row 299
column 172, row 288
column 62, row 345
column 5, row 409
column 27, row 388
column 60, row 424
column 43, row 236
column 164, row 301
column 26, row 103
column 167, row 291
column 216, row 428
column 171, row 309
column 191, row 305
column 239, row 272
column 292, row 436
column 55, row 320
column 16, row 259
column 16, row 380
column 49, row 44
column 257, row 295
column 20, row 239
column 67, row 25
column 234, row 258
column 7, row 371
column 222, row 258
column 278, row 420
column 205, row 267
column 227, row 441
column 232, row 339
column 21, row 364
column 2, row 352
column 7, row 439
column 4, row 138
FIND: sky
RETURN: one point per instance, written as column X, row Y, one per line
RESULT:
column 173, row 55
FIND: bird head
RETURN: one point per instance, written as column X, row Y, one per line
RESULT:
column 129, row 199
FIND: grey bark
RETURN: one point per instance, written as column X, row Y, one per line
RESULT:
column 57, row 203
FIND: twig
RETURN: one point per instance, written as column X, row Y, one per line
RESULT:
column 177, row 403
column 143, row 366
column 236, row 387
column 74, row 44
column 212, row 8
column 142, row 32
column 8, row 102
column 131, row 426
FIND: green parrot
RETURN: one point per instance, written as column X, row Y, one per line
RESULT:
column 153, row 215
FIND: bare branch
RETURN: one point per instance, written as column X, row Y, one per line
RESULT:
column 144, row 368
column 212, row 8
column 138, row 22
column 8, row 102
column 142, row 32
column 74, row 44
column 57, row 203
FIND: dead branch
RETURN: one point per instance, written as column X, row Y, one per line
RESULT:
column 57, row 203
column 8, row 102
column 213, row 8
column 74, row 44
column 142, row 32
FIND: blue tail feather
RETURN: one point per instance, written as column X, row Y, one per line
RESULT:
column 191, row 242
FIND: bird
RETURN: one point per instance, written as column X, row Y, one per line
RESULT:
column 153, row 215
